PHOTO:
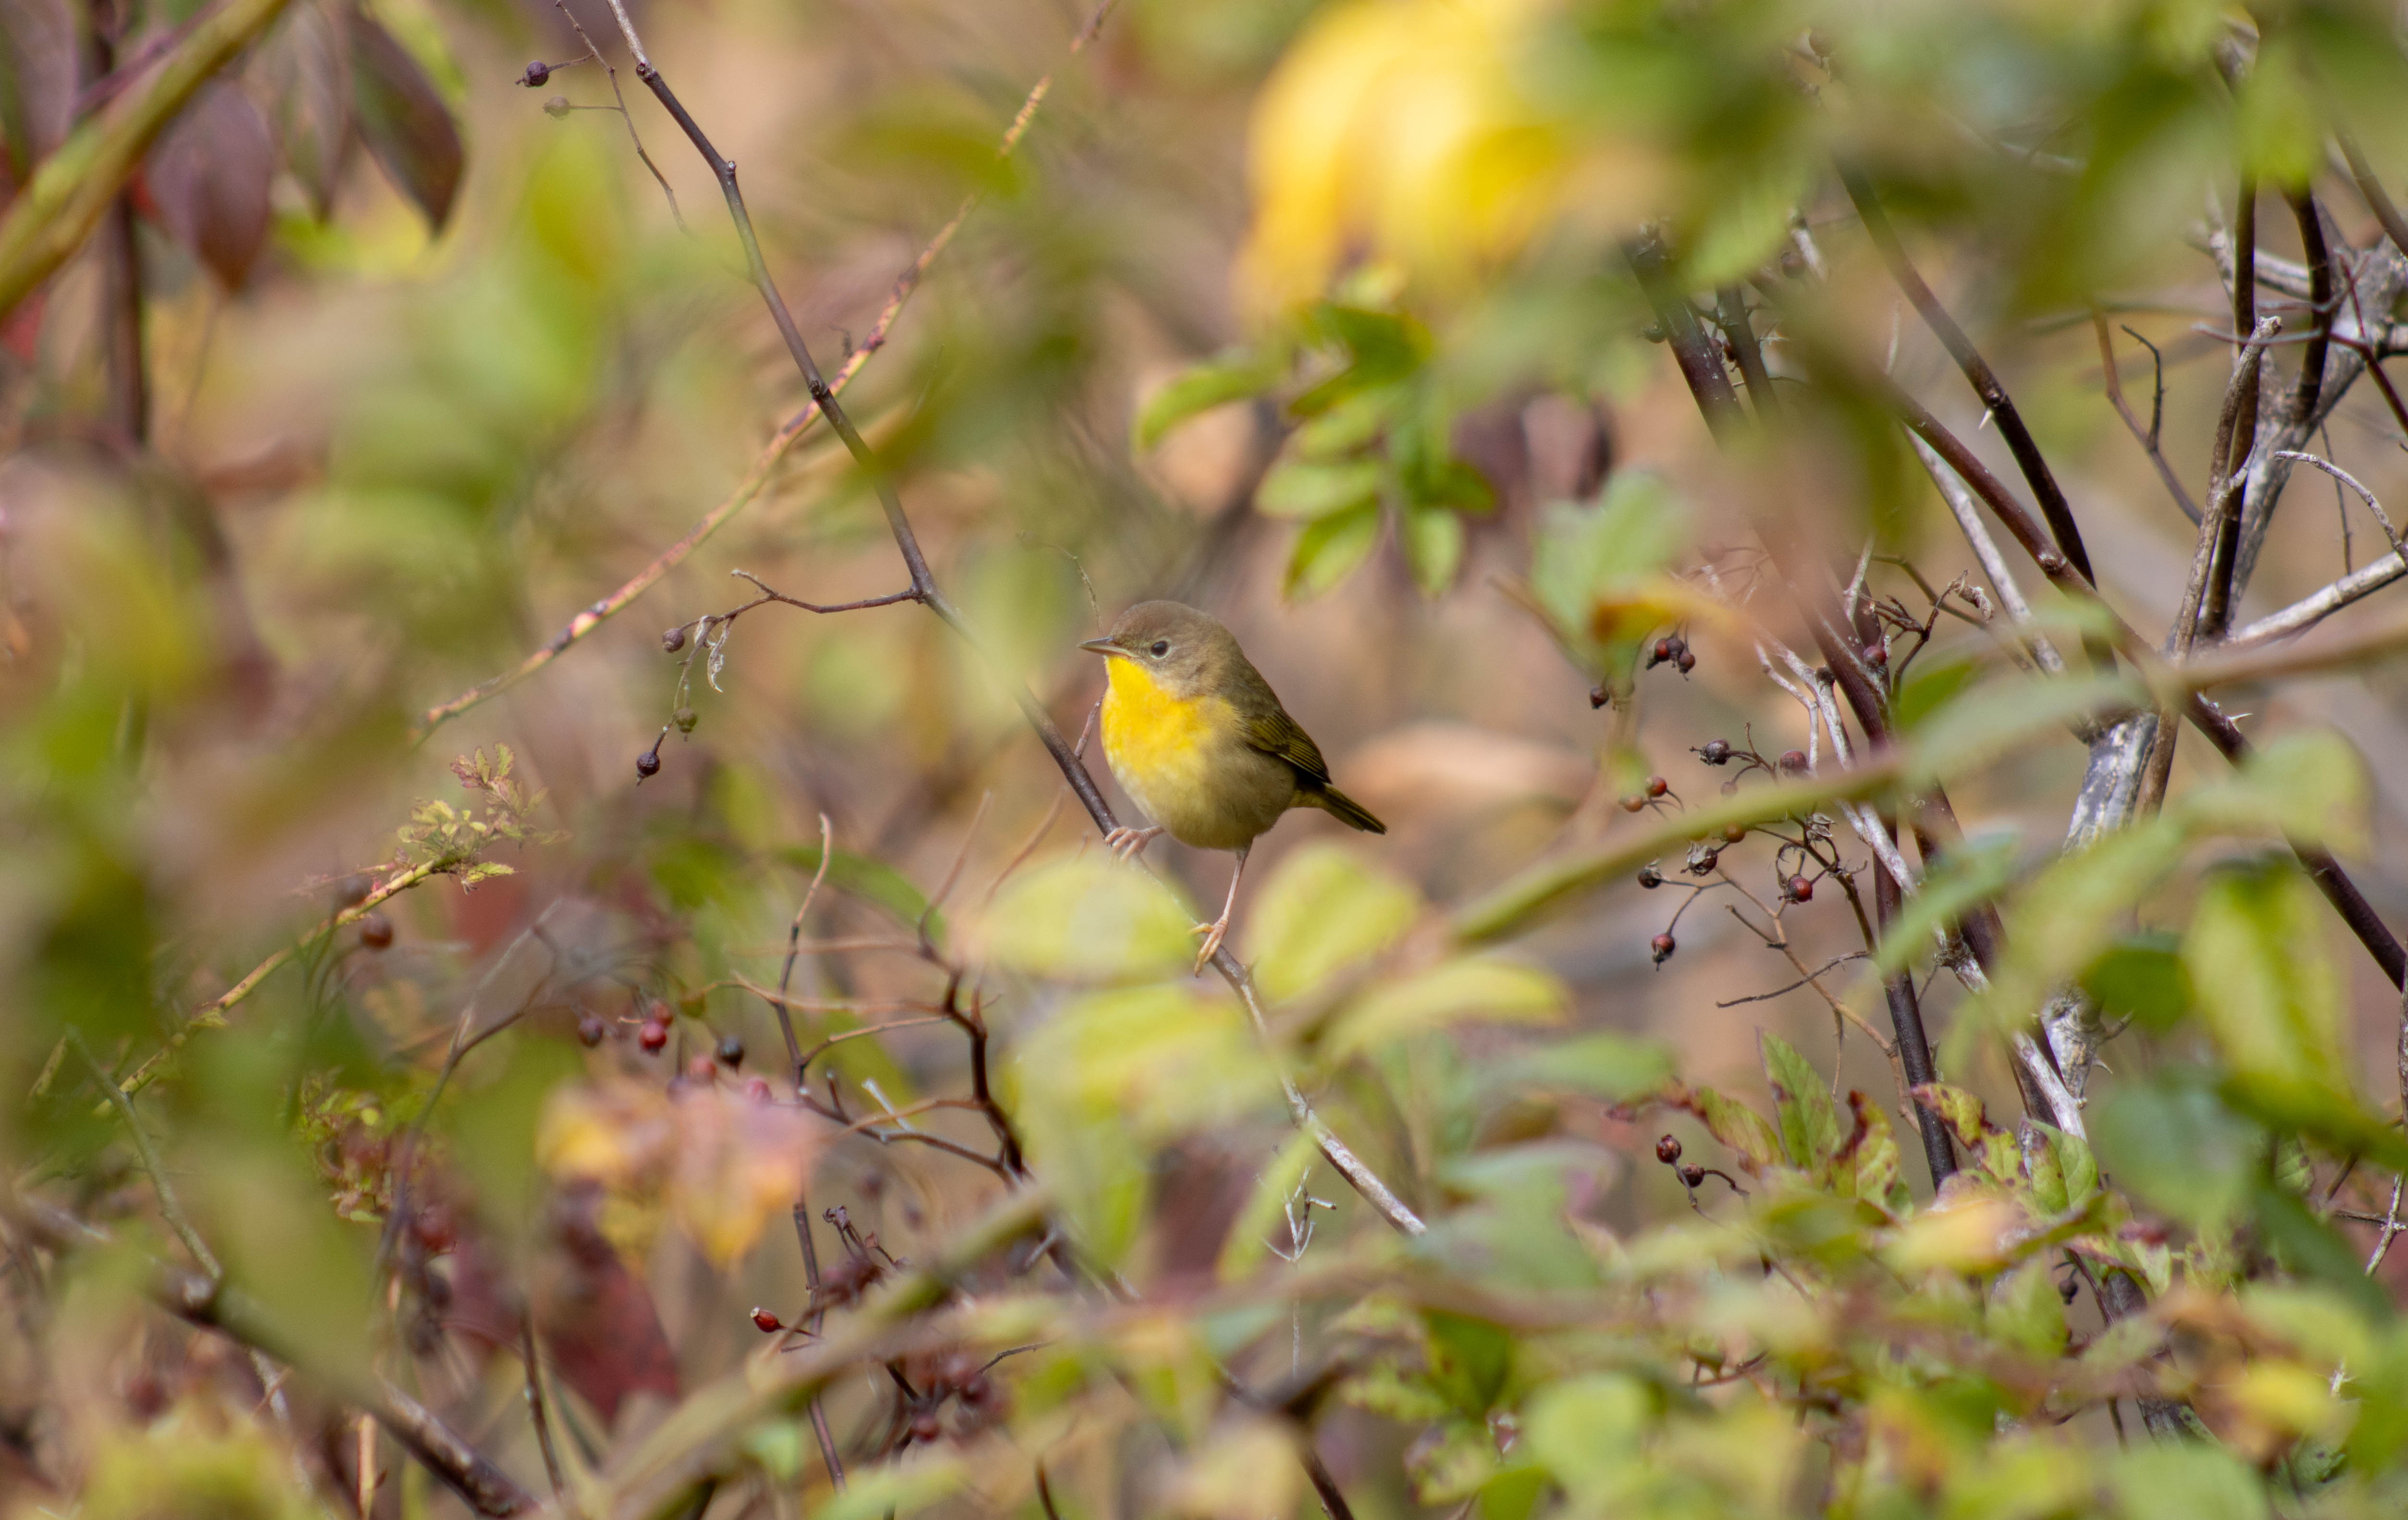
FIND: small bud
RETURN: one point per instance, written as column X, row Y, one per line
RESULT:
column 537, row 74
column 653, row 1036
column 1650, row 877
column 767, row 1322
column 591, row 1030
column 2067, row 1290
column 1686, row 663
column 700, row 1069
column 731, row 1050
column 1653, row 331
column 1800, row 890
column 1693, row 1175
column 1598, row 697
column 1632, row 805
column 376, row 930
column 1657, row 785
column 756, row 1091
column 648, row 764
column 924, row 1428
column 674, row 639
column 1793, row 761
column 1877, row 655
column 1715, row 752
column 557, row 107
column 686, row 719
column 1661, row 948
column 2049, row 560
column 1668, row 1150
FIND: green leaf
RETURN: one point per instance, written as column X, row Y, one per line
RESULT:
column 1231, row 375
column 1433, row 538
column 2309, row 786
column 2172, row 1143
column 1738, row 1127
column 1329, row 548
column 1324, row 911
column 1086, row 917
column 2142, row 978
column 1584, row 553
column 1808, row 1125
column 1469, row 1359
column 1350, row 425
column 2044, row 1171
column 2187, row 1480
column 2267, row 990
column 1614, row 1067
column 2024, row 1309
column 872, row 881
column 1308, row 491
column 1473, row 987
column 1587, row 1431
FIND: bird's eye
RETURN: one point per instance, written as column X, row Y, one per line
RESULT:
column 1161, row 648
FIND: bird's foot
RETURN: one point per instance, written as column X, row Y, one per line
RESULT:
column 1128, row 844
column 1214, row 932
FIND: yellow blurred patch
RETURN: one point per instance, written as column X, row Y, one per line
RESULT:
column 1400, row 132
column 724, row 1162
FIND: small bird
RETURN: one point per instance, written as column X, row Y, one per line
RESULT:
column 1198, row 740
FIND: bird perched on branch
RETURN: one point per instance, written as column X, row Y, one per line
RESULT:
column 1198, row 740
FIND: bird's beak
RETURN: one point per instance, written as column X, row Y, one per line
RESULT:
column 1101, row 647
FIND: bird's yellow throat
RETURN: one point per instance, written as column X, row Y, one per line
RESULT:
column 1149, row 733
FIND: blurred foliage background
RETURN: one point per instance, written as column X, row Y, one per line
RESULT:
column 401, row 935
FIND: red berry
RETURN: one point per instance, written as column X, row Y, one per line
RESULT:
column 1734, row 832
column 1662, row 946
column 1657, row 785
column 1793, row 759
column 653, row 1036
column 700, row 1069
column 1693, row 1175
column 591, row 1030
column 1663, row 651
column 376, row 930
column 757, row 1089
column 1800, row 890
column 1686, row 663
column 1632, row 805
column 731, row 1050
column 434, row 1228
column 648, row 764
column 1877, row 654
column 767, row 1322
column 1715, row 752
column 1668, row 1150
column 1650, row 877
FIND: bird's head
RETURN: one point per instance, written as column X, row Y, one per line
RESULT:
column 1181, row 649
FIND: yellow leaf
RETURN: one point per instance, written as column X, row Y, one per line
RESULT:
column 1086, row 917
column 1475, row 987
column 1322, row 910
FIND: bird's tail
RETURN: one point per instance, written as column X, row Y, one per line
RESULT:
column 1346, row 809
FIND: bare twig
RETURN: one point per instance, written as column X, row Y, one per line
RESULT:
column 595, row 54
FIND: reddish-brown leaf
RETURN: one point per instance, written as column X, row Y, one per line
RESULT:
column 310, row 64
column 207, row 179
column 402, row 117
column 597, row 1321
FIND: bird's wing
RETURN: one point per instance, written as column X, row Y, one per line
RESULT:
column 1272, row 731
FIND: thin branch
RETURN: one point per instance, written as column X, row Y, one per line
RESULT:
column 2149, row 438
column 536, row 1407
column 1808, row 980
column 2345, row 477
column 2019, row 440
column 172, row 1211
column 213, row 1305
column 756, row 478
column 595, row 54
column 794, row 948
column 2377, row 200
column 2308, row 611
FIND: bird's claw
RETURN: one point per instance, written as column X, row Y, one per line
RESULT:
column 1128, row 844
column 1213, row 933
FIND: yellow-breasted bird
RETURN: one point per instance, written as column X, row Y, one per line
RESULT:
column 1198, row 740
